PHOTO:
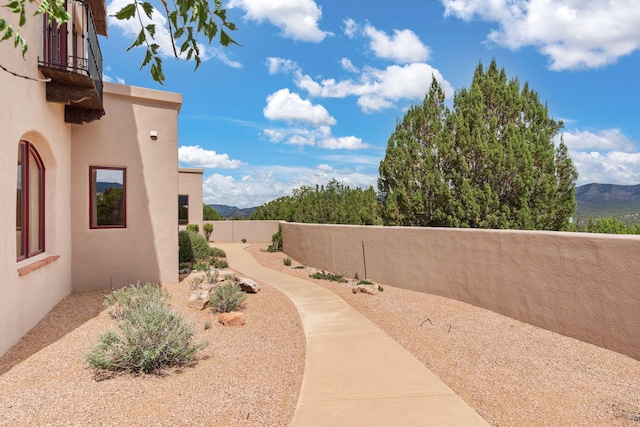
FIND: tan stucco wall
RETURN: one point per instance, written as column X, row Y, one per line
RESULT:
column 581, row 285
column 26, row 115
column 235, row 231
column 190, row 184
column 147, row 249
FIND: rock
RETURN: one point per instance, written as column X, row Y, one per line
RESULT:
column 232, row 319
column 248, row 285
column 367, row 289
column 198, row 303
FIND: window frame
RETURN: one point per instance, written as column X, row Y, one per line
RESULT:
column 30, row 152
column 181, row 221
column 92, row 199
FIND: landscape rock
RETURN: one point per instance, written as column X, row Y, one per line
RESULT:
column 232, row 319
column 367, row 289
column 248, row 285
column 198, row 303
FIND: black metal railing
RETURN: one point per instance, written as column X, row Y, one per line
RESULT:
column 73, row 46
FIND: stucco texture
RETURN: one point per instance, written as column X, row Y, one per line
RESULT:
column 581, row 285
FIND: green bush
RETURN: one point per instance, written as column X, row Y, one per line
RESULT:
column 217, row 252
column 128, row 297
column 201, row 249
column 149, row 336
column 287, row 261
column 208, row 229
column 185, row 253
column 220, row 263
column 201, row 266
column 193, row 228
column 244, row 240
column 227, row 298
column 328, row 276
column 276, row 243
column 365, row 282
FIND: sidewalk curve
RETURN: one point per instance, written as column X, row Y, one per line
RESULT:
column 355, row 374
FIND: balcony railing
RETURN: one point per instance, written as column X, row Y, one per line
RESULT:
column 72, row 59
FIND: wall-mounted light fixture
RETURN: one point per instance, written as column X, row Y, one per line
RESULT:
column 154, row 135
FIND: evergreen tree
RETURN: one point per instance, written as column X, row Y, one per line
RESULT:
column 489, row 163
column 334, row 203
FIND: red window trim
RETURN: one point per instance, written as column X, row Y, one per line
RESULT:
column 124, row 197
column 30, row 150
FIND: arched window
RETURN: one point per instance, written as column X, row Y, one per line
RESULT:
column 29, row 202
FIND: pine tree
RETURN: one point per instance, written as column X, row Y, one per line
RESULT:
column 489, row 163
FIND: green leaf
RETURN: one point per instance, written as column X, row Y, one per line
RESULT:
column 142, row 37
column 156, row 71
column 147, row 58
column 148, row 8
column 178, row 33
column 127, row 12
column 151, row 29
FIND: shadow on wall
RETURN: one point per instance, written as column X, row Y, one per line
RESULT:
column 69, row 314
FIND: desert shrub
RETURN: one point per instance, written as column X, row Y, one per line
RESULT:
column 365, row 282
column 380, row 288
column 217, row 252
column 276, row 243
column 193, row 228
column 185, row 253
column 220, row 263
column 208, row 229
column 211, row 276
column 201, row 266
column 328, row 276
column 152, row 336
column 201, row 250
column 227, row 298
column 300, row 267
column 287, row 261
column 243, row 240
column 125, row 298
column 196, row 282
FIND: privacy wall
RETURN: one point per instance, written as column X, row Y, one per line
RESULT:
column 235, row 231
column 585, row 286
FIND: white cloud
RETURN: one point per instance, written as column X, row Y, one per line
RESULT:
column 287, row 106
column 110, row 79
column 265, row 183
column 280, row 65
column 606, row 157
column 350, row 28
column 378, row 89
column 310, row 124
column 574, row 34
column 131, row 28
column 403, row 47
column 605, row 140
column 320, row 136
column 298, row 19
column 199, row 157
column 347, row 65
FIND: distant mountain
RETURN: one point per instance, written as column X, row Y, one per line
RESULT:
column 233, row 211
column 608, row 200
column 101, row 186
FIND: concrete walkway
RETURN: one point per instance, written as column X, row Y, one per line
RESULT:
column 355, row 374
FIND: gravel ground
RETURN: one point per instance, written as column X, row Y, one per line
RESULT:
column 246, row 376
column 512, row 373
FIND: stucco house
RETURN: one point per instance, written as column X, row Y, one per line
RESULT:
column 89, row 171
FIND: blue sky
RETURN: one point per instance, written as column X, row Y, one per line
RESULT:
column 317, row 86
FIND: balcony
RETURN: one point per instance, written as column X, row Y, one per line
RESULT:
column 72, row 60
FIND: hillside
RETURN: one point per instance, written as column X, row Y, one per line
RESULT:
column 608, row 200
column 233, row 211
